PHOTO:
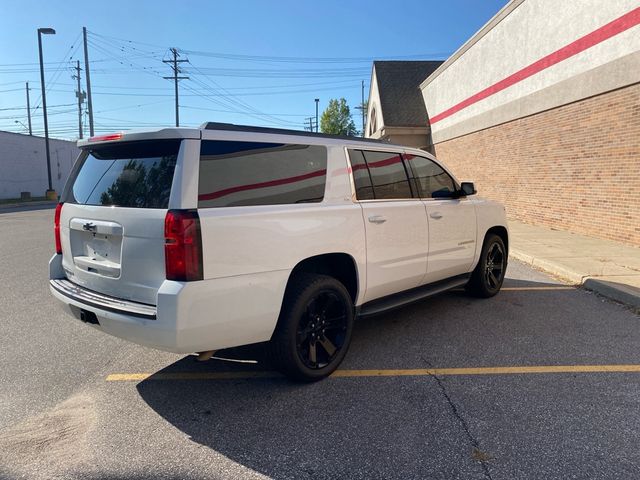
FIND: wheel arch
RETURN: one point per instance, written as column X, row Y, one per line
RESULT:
column 501, row 231
column 339, row 265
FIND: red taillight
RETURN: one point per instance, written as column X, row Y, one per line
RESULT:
column 56, row 227
column 183, row 245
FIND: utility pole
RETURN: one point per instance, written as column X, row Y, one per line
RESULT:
column 309, row 128
column 362, row 106
column 81, row 95
column 175, row 78
column 316, row 100
column 86, row 70
column 29, row 110
column 363, row 110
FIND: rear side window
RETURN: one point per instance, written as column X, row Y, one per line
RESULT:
column 388, row 175
column 134, row 174
column 255, row 173
column 433, row 181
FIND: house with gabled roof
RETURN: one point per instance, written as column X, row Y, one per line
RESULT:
column 396, row 110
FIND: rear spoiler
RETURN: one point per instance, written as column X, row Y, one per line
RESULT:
column 165, row 133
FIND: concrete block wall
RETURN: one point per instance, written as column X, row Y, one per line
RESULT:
column 575, row 167
column 532, row 56
column 23, row 164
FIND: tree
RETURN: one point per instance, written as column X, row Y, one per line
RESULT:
column 336, row 119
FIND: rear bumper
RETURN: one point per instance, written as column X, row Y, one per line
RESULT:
column 104, row 302
column 189, row 316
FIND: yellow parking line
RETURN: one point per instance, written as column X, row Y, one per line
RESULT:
column 417, row 372
column 533, row 289
column 524, row 289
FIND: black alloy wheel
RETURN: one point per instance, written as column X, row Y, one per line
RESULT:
column 494, row 266
column 314, row 328
column 486, row 280
column 321, row 330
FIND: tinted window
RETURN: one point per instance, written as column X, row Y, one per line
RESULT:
column 251, row 173
column 361, row 177
column 134, row 174
column 432, row 180
column 388, row 175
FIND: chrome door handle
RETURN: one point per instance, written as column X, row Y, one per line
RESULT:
column 436, row 215
column 377, row 219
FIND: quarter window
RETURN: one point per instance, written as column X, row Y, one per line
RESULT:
column 255, row 173
column 432, row 180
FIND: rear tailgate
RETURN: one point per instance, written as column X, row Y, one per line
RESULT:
column 112, row 221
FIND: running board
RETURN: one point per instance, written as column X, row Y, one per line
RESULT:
column 381, row 305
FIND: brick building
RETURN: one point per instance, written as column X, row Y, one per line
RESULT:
column 541, row 108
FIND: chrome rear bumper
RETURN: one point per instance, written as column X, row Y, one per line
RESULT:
column 101, row 301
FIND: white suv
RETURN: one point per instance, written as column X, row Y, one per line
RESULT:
column 194, row 240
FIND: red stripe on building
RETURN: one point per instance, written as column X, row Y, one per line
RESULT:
column 603, row 33
column 254, row 186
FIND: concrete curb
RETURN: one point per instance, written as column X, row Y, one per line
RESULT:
column 27, row 204
column 616, row 291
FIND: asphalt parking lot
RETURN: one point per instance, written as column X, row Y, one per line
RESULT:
column 542, row 381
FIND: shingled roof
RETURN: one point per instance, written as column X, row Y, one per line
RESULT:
column 399, row 86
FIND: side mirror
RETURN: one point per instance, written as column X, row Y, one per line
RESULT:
column 467, row 188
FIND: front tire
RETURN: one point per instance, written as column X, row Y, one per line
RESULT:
column 314, row 328
column 486, row 279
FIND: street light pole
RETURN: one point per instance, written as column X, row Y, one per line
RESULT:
column 317, row 100
column 29, row 110
column 51, row 194
column 20, row 123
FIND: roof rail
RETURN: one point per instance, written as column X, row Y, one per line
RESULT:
column 283, row 131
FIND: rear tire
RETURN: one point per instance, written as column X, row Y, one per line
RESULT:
column 486, row 279
column 314, row 328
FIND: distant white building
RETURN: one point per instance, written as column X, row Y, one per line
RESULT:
column 23, row 164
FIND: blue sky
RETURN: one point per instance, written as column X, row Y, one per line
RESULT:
column 250, row 62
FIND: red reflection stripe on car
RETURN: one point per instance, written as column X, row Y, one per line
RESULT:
column 380, row 163
column 385, row 163
column 619, row 25
column 255, row 186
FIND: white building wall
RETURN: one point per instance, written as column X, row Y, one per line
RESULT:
column 23, row 164
column 521, row 34
column 374, row 105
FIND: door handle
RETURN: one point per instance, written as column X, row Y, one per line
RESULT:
column 436, row 215
column 377, row 219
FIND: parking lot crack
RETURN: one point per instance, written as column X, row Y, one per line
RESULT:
column 476, row 453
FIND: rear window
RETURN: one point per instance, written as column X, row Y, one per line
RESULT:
column 256, row 173
column 134, row 174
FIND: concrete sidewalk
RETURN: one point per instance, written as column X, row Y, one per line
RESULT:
column 609, row 268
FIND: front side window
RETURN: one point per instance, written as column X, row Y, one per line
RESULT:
column 257, row 173
column 432, row 180
column 128, row 174
column 388, row 175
